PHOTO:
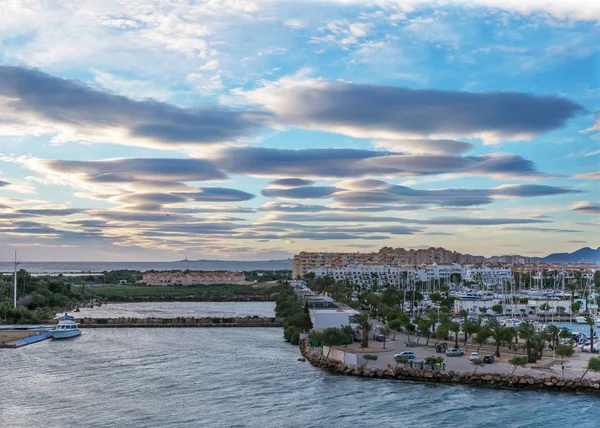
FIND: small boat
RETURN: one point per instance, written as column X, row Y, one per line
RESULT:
column 581, row 320
column 66, row 328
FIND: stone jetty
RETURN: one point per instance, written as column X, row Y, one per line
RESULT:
column 123, row 322
column 490, row 380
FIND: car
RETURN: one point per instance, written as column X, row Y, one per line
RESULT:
column 474, row 356
column 406, row 354
column 380, row 338
column 488, row 359
column 454, row 352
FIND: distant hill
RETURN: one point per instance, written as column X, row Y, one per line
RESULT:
column 585, row 254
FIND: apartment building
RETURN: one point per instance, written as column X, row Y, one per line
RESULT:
column 388, row 256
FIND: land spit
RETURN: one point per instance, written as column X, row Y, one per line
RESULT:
column 123, row 322
column 490, row 380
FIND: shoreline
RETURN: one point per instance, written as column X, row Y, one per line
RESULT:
column 523, row 382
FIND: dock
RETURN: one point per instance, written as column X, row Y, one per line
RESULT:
column 19, row 338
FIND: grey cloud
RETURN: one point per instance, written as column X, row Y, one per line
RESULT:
column 351, row 163
column 291, row 208
column 447, row 221
column 530, row 190
column 4, row 183
column 218, row 194
column 290, row 182
column 73, row 103
column 384, row 193
column 370, row 110
column 148, row 201
column 420, row 146
column 50, row 212
column 161, row 171
column 308, row 192
column 540, row 229
column 331, row 236
column 586, row 207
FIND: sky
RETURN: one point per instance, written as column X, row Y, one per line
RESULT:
column 256, row 129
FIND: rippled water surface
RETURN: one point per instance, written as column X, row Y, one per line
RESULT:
column 236, row 377
column 179, row 309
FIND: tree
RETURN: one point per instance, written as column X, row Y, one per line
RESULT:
column 495, row 329
column 497, row 308
column 434, row 361
column 365, row 326
column 483, row 310
column 396, row 325
column 565, row 351
column 576, row 306
column 565, row 334
column 469, row 328
column 409, row 328
column 369, row 357
column 527, row 332
column 561, row 310
column 432, row 314
column 477, row 363
column 544, row 307
column 553, row 331
column 401, row 360
column 454, row 327
column 593, row 365
column 385, row 331
column 292, row 335
column 424, row 329
column 483, row 335
column 332, row 337
column 591, row 321
column 518, row 362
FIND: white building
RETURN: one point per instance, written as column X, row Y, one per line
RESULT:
column 532, row 307
column 383, row 275
column 327, row 318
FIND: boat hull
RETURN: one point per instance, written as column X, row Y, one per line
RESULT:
column 65, row 334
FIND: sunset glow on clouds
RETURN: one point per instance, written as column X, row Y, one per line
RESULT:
column 240, row 129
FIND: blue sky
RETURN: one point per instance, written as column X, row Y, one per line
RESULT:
column 239, row 129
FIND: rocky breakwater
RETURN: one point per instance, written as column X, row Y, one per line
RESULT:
column 490, row 380
column 124, row 322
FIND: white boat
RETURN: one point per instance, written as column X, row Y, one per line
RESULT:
column 581, row 320
column 66, row 328
column 512, row 322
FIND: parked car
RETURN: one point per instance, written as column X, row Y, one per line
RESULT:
column 454, row 352
column 474, row 356
column 380, row 338
column 441, row 348
column 488, row 359
column 406, row 354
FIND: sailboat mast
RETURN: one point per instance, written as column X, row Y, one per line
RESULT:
column 15, row 282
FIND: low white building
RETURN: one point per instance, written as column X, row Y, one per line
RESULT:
column 532, row 307
column 366, row 276
column 327, row 318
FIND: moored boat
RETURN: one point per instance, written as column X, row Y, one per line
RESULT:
column 66, row 328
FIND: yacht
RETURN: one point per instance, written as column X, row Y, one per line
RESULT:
column 581, row 320
column 66, row 328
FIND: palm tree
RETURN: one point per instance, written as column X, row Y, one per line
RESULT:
column 553, row 331
column 365, row 325
column 591, row 321
column 495, row 329
column 454, row 327
column 527, row 332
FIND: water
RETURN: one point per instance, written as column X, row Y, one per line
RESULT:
column 240, row 377
column 96, row 267
column 178, row 309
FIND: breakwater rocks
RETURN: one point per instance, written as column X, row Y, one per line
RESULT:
column 495, row 380
column 224, row 298
column 123, row 322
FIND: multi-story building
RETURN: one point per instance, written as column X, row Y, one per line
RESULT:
column 305, row 261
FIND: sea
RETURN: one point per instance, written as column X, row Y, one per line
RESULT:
column 98, row 267
column 240, row 377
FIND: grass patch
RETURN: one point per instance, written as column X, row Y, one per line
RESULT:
column 125, row 292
